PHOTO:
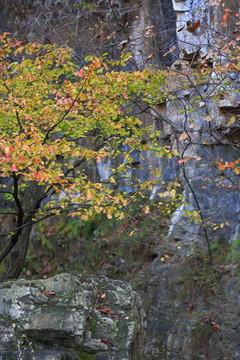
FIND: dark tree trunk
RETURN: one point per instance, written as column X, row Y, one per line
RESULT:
column 30, row 203
column 15, row 259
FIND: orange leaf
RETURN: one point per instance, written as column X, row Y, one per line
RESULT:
column 225, row 17
column 36, row 161
column 88, row 195
column 183, row 160
column 7, row 152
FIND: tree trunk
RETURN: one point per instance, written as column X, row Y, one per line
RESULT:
column 15, row 259
column 30, row 202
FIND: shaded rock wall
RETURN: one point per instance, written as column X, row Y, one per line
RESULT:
column 192, row 315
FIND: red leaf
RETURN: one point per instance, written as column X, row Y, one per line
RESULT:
column 105, row 341
column 80, row 73
column 13, row 167
column 205, row 318
column 144, row 266
column 105, row 310
column 47, row 293
column 216, row 327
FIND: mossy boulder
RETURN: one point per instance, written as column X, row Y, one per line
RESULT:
column 70, row 317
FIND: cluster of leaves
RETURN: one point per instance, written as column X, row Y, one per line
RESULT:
column 49, row 109
column 121, row 246
column 55, row 118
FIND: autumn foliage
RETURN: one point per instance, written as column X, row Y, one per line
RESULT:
column 55, row 118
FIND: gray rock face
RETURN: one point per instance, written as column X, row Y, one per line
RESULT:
column 184, row 121
column 70, row 317
column 193, row 312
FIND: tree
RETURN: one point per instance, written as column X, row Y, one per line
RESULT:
column 54, row 118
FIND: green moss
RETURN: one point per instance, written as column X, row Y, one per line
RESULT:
column 85, row 356
column 198, row 276
column 92, row 326
column 201, row 334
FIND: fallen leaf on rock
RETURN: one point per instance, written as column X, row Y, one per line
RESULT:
column 192, row 27
column 49, row 293
column 122, row 45
column 144, row 266
column 107, row 311
column 105, row 341
column 150, row 56
column 101, row 295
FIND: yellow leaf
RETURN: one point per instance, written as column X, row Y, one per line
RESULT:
column 56, row 189
column 146, row 210
column 183, row 136
column 175, row 152
column 208, row 118
column 112, row 180
column 173, row 192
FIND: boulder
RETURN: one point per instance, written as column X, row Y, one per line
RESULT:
column 70, row 317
